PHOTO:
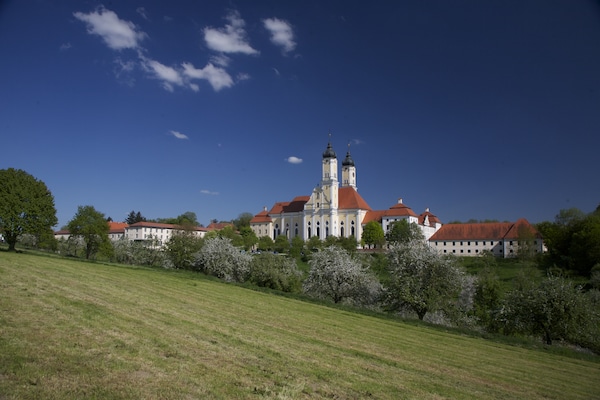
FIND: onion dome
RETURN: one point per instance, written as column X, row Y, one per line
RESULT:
column 348, row 161
column 329, row 153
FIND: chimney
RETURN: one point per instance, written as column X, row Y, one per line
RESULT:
column 426, row 209
column 400, row 200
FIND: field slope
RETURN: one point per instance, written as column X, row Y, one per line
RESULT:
column 71, row 330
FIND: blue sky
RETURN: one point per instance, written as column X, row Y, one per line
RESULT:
column 475, row 109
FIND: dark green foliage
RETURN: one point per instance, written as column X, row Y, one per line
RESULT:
column 90, row 226
column 26, row 207
column 243, row 220
column 282, row 244
column 573, row 241
column 265, row 243
column 275, row 272
column 180, row 249
column 487, row 300
column 553, row 309
column 402, row 232
column 249, row 238
column 134, row 217
column 296, row 247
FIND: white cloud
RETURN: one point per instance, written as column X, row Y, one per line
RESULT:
column 178, row 135
column 65, row 46
column 217, row 77
column 168, row 75
column 293, row 160
column 231, row 38
column 204, row 191
column 116, row 33
column 281, row 33
column 221, row 60
column 357, row 141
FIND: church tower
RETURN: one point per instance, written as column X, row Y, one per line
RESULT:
column 329, row 182
column 348, row 171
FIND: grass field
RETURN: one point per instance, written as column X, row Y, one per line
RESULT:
column 74, row 330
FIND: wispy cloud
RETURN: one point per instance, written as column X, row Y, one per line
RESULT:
column 357, row 141
column 142, row 12
column 178, row 135
column 116, row 33
column 208, row 192
column 65, row 46
column 230, row 39
column 168, row 75
column 293, row 160
column 281, row 33
column 216, row 76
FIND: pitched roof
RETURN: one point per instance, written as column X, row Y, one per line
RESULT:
column 483, row 231
column 373, row 215
column 349, row 199
column 261, row 218
column 117, row 227
column 399, row 210
column 432, row 218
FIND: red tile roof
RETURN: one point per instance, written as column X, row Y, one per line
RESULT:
column 400, row 210
column 261, row 218
column 117, row 227
column 432, row 218
column 349, row 199
column 483, row 231
column 373, row 215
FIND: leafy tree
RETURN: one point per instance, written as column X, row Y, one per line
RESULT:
column 249, row 238
column 488, row 298
column 243, row 220
column 553, row 309
column 265, row 243
column 219, row 257
column 26, row 206
column 137, row 253
column 181, row 248
column 275, row 272
column 282, row 244
column 421, row 280
column 348, row 243
column 91, row 226
column 314, row 243
column 134, row 217
column 373, row 234
column 336, row 276
column 402, row 232
column 573, row 240
column 296, row 247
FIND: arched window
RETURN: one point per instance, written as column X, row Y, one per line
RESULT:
column 352, row 232
column 296, row 230
column 309, row 230
column 318, row 229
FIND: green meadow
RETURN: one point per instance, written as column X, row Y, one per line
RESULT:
column 77, row 330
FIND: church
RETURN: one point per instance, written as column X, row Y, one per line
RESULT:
column 335, row 208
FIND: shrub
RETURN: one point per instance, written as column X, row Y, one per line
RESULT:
column 275, row 272
column 219, row 257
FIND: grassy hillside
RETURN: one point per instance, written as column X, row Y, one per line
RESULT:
column 70, row 329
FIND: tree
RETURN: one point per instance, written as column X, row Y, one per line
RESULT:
column 554, row 309
column 26, row 206
column 265, row 243
column 243, row 220
column 275, row 272
column 249, row 238
column 488, row 298
column 421, row 280
column 134, row 217
column 282, row 244
column 296, row 247
column 337, row 276
column 91, row 226
column 373, row 234
column 222, row 259
column 181, row 248
column 402, row 232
